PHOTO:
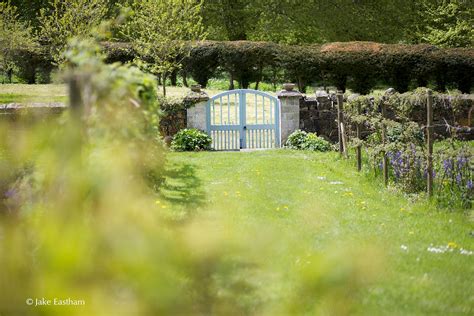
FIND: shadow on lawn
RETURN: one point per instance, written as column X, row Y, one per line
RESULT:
column 182, row 188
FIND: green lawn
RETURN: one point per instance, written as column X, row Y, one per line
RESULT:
column 313, row 203
column 24, row 93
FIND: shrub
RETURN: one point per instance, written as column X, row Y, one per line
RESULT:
column 357, row 65
column 302, row 140
column 202, row 62
column 245, row 60
column 301, row 64
column 191, row 140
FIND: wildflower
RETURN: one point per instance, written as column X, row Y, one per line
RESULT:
column 452, row 244
column 402, row 209
column 411, row 233
column 164, row 206
column 403, row 247
column 157, row 202
column 285, row 207
column 10, row 193
column 226, row 193
column 465, row 252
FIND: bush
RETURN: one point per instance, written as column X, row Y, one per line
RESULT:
column 202, row 62
column 191, row 140
column 357, row 65
column 302, row 140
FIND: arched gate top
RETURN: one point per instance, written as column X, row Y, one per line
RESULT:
column 243, row 91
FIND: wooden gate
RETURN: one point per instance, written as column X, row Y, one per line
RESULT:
column 240, row 119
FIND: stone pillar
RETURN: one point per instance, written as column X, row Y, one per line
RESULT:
column 289, row 111
column 196, row 102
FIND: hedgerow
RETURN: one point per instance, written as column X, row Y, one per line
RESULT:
column 355, row 65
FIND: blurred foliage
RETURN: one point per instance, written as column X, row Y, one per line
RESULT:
column 81, row 217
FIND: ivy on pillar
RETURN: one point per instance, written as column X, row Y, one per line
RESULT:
column 289, row 110
column 196, row 102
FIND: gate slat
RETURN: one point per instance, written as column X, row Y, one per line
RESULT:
column 256, row 108
column 228, row 108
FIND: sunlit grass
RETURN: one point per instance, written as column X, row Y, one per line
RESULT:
column 319, row 202
column 23, row 93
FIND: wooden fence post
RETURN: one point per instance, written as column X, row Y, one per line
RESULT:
column 429, row 141
column 340, row 100
column 358, row 135
column 75, row 96
column 384, row 141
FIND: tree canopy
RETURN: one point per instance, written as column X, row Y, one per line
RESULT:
column 446, row 23
column 168, row 22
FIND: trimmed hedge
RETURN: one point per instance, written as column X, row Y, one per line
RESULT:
column 355, row 65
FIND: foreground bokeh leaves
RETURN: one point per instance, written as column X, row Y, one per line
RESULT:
column 80, row 220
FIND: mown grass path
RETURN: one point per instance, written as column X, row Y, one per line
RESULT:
column 319, row 202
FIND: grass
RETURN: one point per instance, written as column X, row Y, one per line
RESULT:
column 24, row 93
column 318, row 202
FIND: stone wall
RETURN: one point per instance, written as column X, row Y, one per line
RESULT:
column 319, row 114
column 13, row 111
column 173, row 119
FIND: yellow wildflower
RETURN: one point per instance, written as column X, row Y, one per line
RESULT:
column 452, row 244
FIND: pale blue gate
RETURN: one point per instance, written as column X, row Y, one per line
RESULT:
column 241, row 119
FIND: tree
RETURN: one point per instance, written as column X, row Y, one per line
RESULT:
column 229, row 19
column 65, row 19
column 15, row 37
column 169, row 23
column 303, row 21
column 446, row 23
column 28, row 10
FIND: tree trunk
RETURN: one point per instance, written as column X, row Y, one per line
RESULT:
column 174, row 78
column 9, row 75
column 231, row 83
column 184, row 74
column 260, row 76
column 164, row 85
